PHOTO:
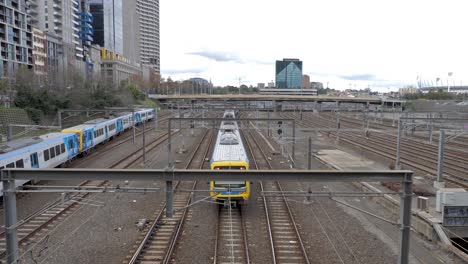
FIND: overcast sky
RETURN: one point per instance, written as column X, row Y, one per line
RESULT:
column 358, row 43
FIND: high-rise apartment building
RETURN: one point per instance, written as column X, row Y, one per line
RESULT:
column 108, row 24
column 149, row 33
column 289, row 73
column 16, row 41
column 131, row 31
column 39, row 52
column 62, row 19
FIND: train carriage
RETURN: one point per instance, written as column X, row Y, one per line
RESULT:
column 229, row 154
column 46, row 151
column 85, row 134
column 126, row 121
column 105, row 129
column 54, row 149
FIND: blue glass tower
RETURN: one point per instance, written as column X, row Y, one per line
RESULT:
column 289, row 73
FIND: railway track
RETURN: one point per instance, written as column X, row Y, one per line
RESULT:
column 231, row 238
column 285, row 240
column 122, row 139
column 33, row 227
column 349, row 122
column 161, row 236
column 423, row 157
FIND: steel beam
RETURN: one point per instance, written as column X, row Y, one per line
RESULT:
column 134, row 126
column 11, row 234
column 231, row 119
column 144, row 143
column 405, row 218
column 169, row 147
column 207, row 175
column 294, row 141
column 309, row 154
column 440, row 157
column 169, row 199
column 397, row 159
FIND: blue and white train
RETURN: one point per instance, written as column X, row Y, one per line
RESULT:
column 59, row 148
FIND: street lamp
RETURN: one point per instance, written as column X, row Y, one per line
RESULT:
column 448, row 81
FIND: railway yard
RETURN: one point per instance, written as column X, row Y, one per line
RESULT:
column 279, row 223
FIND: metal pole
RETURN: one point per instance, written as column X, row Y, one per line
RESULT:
column 134, row 125
column 301, row 113
column 405, row 219
column 294, row 140
column 156, row 119
column 309, row 155
column 11, row 234
column 169, row 158
column 169, row 194
column 338, row 124
column 10, row 133
column 382, row 113
column 268, row 116
column 430, row 128
column 59, row 117
column 180, row 115
column 144, row 143
column 397, row 159
column 440, row 157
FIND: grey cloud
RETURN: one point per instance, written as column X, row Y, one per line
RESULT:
column 184, row 71
column 218, row 56
column 360, row 77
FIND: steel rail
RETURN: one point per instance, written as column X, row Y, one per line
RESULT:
column 172, row 241
column 267, row 215
column 71, row 206
column 449, row 176
column 182, row 221
column 291, row 217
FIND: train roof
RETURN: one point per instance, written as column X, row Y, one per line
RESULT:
column 229, row 151
column 79, row 127
column 229, row 114
column 16, row 147
column 99, row 121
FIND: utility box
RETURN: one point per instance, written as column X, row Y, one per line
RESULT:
column 422, row 203
column 451, row 197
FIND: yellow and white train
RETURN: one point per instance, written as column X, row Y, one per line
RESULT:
column 229, row 154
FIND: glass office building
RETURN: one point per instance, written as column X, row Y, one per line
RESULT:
column 107, row 24
column 289, row 73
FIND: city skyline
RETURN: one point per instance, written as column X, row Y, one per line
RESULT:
column 364, row 43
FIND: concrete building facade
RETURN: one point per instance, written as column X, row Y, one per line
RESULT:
column 305, row 81
column 16, row 38
column 94, row 56
column 149, row 33
column 39, row 52
column 115, row 68
column 131, row 31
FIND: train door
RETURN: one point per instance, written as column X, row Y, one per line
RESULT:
column 107, row 131
column 119, row 125
column 88, row 139
column 71, row 144
column 138, row 117
column 34, row 160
